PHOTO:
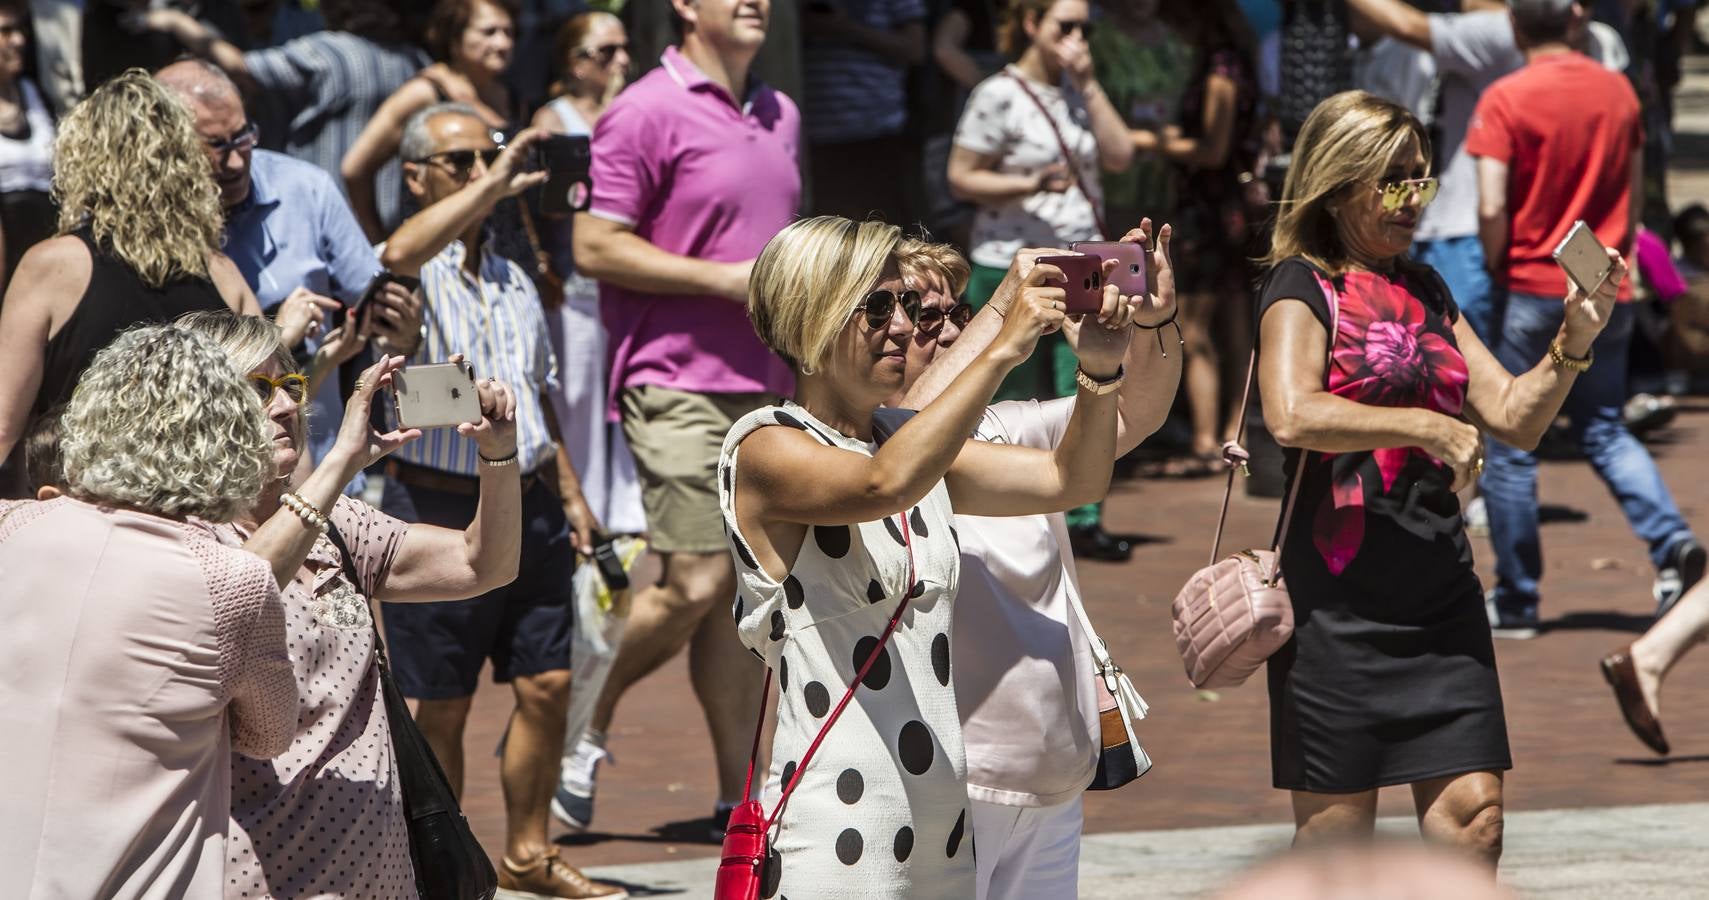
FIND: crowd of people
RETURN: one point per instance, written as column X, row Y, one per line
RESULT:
column 810, row 335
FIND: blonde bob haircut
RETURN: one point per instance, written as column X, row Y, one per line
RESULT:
column 809, row 279
column 922, row 259
column 250, row 342
column 1349, row 139
column 163, row 423
column 128, row 164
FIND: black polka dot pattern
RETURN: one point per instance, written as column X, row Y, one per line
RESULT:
column 833, row 540
column 849, row 846
column 850, row 785
column 743, row 551
column 918, row 591
column 914, row 747
column 788, row 773
column 783, row 674
column 793, row 594
column 784, row 418
column 874, row 592
column 955, row 835
column 940, row 658
column 771, row 876
column 903, row 846
column 918, row 523
column 879, row 675
column 777, row 624
column 736, row 613
column 818, row 699
column 895, row 532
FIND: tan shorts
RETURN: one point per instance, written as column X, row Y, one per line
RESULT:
column 676, row 437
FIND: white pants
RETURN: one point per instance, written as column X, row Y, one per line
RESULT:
column 1027, row 853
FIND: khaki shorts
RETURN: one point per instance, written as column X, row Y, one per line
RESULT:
column 676, row 437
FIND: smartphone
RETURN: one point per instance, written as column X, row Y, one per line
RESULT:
column 1085, row 285
column 436, row 396
column 1129, row 274
column 566, row 160
column 353, row 312
column 1583, row 258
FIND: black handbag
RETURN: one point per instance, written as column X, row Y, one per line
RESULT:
column 449, row 863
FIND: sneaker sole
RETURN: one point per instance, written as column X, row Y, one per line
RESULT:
column 1692, row 566
column 1514, row 633
column 566, row 812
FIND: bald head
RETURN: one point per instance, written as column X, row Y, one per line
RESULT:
column 221, row 122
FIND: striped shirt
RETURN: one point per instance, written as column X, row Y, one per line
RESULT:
column 497, row 323
column 318, row 93
column 854, row 94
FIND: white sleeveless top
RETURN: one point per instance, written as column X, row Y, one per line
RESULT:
column 26, row 164
column 882, row 810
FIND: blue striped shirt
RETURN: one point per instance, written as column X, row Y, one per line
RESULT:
column 496, row 322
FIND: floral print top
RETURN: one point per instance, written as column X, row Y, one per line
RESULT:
column 1394, row 346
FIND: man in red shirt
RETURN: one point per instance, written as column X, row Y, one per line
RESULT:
column 1556, row 142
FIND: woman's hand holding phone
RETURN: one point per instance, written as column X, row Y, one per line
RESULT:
column 1037, row 310
column 1587, row 315
column 359, row 445
column 495, row 433
column 1158, row 305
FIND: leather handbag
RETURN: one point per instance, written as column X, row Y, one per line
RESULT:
column 745, row 863
column 1233, row 614
column 1120, row 757
column 449, row 863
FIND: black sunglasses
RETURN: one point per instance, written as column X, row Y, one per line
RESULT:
column 1068, row 27
column 932, row 319
column 879, row 306
column 602, row 54
column 461, row 161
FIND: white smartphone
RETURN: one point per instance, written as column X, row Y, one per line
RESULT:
column 436, row 396
column 1583, row 258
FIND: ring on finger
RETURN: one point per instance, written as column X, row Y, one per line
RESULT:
column 360, row 383
column 1477, row 467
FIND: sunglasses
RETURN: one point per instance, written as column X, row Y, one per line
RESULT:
column 295, row 385
column 880, row 306
column 461, row 162
column 1081, row 26
column 602, row 54
column 932, row 319
column 1395, row 193
column 241, row 142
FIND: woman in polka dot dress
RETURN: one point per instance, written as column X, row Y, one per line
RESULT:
column 822, row 523
column 325, row 818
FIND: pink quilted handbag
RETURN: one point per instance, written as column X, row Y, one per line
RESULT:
column 1234, row 613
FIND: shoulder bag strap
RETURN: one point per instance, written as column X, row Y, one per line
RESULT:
column 1067, row 157
column 1236, row 456
column 813, row 748
column 348, row 563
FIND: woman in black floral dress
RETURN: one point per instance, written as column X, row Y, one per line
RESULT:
column 1390, row 678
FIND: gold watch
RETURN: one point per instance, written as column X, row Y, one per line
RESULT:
column 1095, row 387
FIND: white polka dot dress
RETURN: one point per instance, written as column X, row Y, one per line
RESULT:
column 882, row 810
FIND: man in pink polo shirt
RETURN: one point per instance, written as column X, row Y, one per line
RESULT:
column 694, row 169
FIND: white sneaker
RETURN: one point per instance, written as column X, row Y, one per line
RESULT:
column 573, row 802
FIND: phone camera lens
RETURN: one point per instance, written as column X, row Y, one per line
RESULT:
column 1134, row 268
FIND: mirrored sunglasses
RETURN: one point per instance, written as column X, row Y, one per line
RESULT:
column 932, row 319
column 1395, row 193
column 879, row 306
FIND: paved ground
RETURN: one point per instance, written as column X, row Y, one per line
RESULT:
column 1570, row 747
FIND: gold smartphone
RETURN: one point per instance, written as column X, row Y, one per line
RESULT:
column 1583, row 258
column 436, row 396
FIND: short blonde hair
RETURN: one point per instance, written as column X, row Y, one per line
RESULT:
column 164, row 423
column 1348, row 139
column 920, row 259
column 250, row 342
column 127, row 163
column 809, row 279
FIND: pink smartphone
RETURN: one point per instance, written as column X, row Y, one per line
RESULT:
column 1129, row 274
column 1085, row 285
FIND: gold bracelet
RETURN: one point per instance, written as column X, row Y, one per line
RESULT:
column 1560, row 358
column 1095, row 387
column 305, row 510
column 498, row 463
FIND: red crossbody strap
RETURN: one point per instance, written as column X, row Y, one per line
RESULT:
column 813, row 748
column 1067, row 157
column 1235, row 455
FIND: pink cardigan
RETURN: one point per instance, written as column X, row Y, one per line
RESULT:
column 138, row 653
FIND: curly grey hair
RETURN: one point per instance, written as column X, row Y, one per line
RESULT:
column 163, row 422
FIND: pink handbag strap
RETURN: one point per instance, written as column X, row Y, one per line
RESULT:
column 1067, row 155
column 1236, row 456
column 813, row 748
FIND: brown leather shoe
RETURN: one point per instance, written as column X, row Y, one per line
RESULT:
column 549, row 878
column 1622, row 676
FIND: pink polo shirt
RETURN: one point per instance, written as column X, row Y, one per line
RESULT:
column 699, row 175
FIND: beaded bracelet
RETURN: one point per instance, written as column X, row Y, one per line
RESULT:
column 305, row 510
column 1179, row 338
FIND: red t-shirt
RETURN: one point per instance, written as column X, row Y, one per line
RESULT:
column 1569, row 132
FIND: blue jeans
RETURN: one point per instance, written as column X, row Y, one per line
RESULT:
column 1510, row 476
column 1460, row 262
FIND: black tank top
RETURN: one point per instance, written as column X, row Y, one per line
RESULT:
column 116, row 299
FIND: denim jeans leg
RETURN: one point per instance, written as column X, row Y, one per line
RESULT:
column 1460, row 262
column 1619, row 458
column 1509, row 481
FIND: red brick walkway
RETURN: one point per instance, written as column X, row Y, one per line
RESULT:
column 1570, row 747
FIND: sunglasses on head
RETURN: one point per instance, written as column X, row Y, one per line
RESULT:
column 460, row 162
column 1395, row 193
column 932, row 319
column 880, row 306
column 602, row 54
column 294, row 384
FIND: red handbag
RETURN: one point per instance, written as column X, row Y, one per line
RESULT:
column 747, row 839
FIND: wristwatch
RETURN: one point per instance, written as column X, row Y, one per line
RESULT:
column 1095, row 387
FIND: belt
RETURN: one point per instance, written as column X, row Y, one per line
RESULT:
column 451, row 483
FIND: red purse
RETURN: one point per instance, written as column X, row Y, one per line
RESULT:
column 747, row 839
